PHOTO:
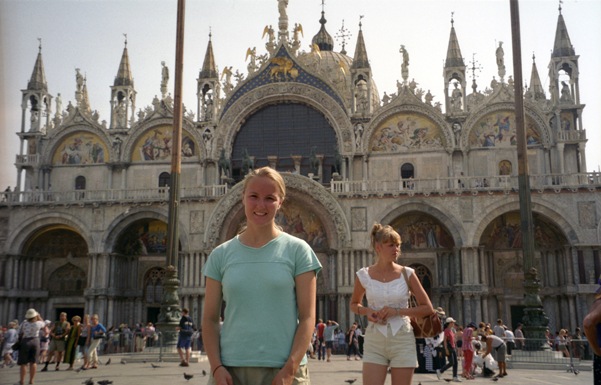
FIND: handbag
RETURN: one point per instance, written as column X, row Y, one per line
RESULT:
column 423, row 327
column 17, row 345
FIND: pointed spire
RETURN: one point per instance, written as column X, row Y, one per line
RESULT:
column 209, row 69
column 84, row 104
column 536, row 87
column 360, row 60
column 323, row 39
column 454, row 58
column 38, row 76
column 124, row 77
column 562, row 46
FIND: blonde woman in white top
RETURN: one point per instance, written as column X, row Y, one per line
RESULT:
column 389, row 339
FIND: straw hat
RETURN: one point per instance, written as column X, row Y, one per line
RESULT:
column 31, row 313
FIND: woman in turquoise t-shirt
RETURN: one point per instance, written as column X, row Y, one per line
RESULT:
column 268, row 280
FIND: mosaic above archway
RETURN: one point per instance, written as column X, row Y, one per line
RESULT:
column 296, row 220
column 80, row 148
column 56, row 242
column 422, row 231
column 144, row 237
column 505, row 232
column 406, row 131
column 498, row 129
column 156, row 144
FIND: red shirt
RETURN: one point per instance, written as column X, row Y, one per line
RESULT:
column 449, row 335
column 320, row 328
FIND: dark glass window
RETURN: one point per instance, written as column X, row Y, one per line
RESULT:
column 80, row 183
column 407, row 171
column 164, row 179
column 284, row 130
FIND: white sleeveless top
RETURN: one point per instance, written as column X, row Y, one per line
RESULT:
column 394, row 294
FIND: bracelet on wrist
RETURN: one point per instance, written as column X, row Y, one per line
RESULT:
column 214, row 370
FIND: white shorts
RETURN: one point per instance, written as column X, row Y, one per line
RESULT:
column 396, row 351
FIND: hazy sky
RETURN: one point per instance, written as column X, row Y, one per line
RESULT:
column 88, row 34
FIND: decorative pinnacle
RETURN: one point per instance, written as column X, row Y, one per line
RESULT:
column 125, row 35
column 475, row 66
column 342, row 35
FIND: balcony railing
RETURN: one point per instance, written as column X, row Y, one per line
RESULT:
column 159, row 194
column 27, row 160
column 363, row 188
column 474, row 184
column 571, row 136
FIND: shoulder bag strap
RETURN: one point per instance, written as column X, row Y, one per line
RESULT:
column 412, row 300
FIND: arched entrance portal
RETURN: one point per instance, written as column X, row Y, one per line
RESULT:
column 63, row 255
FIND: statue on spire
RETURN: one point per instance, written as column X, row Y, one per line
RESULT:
column 405, row 65
column 501, row 60
column 283, row 21
column 164, row 79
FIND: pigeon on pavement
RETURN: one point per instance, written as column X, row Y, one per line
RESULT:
column 89, row 381
column 188, row 377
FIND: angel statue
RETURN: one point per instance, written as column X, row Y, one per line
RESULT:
column 227, row 84
column 252, row 54
column 268, row 30
column 298, row 28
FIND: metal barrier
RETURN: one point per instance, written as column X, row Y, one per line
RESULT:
column 576, row 352
column 141, row 344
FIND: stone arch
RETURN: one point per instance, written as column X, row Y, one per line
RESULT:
column 538, row 120
column 132, row 215
column 188, row 131
column 229, row 211
column 153, row 281
column 275, row 93
column 394, row 110
column 60, row 140
column 425, row 275
column 454, row 227
column 551, row 213
column 24, row 231
column 67, row 281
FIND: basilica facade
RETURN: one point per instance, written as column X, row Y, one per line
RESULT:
column 87, row 232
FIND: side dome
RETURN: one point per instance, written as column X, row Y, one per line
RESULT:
column 335, row 68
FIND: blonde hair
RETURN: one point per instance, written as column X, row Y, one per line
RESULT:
column 267, row 172
column 384, row 234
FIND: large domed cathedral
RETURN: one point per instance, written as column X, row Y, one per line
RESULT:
column 88, row 231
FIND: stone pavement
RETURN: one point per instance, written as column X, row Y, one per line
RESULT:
column 322, row 373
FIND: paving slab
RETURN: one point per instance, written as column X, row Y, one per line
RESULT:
column 136, row 372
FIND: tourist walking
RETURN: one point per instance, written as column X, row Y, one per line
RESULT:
column 328, row 335
column 10, row 337
column 468, row 351
column 58, row 334
column 450, row 349
column 72, row 342
column 96, row 335
column 184, row 337
column 30, row 345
